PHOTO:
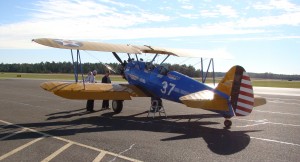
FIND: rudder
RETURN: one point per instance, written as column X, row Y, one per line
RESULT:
column 237, row 84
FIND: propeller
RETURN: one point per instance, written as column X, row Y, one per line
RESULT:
column 120, row 68
column 117, row 57
column 109, row 68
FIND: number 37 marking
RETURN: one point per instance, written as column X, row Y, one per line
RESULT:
column 165, row 86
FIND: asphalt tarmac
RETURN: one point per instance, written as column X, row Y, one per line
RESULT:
column 36, row 125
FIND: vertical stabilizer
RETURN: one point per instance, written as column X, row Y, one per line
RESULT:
column 237, row 84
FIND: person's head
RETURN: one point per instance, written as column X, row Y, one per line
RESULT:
column 95, row 72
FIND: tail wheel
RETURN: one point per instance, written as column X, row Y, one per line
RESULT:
column 117, row 106
column 227, row 123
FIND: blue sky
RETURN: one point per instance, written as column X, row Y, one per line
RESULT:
column 262, row 36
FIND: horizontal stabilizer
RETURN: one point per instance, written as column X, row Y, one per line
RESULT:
column 258, row 101
column 205, row 100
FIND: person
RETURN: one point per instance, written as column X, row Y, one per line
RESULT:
column 88, row 77
column 106, row 79
column 91, row 78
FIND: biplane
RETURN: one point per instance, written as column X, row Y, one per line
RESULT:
column 233, row 96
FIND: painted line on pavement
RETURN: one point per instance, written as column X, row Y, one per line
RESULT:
column 57, row 152
column 282, row 113
column 20, row 148
column 99, row 157
column 265, row 121
column 73, row 142
column 276, row 141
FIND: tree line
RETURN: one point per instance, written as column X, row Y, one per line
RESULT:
column 68, row 67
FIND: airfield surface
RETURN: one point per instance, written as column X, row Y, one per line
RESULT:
column 36, row 125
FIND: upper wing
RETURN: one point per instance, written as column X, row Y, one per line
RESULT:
column 82, row 45
column 134, row 49
column 94, row 91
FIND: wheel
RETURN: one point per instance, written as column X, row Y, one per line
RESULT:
column 117, row 106
column 227, row 123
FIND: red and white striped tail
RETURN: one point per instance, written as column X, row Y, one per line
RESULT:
column 245, row 100
column 237, row 84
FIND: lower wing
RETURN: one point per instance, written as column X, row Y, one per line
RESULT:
column 95, row 91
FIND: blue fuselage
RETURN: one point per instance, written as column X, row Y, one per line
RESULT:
column 160, row 82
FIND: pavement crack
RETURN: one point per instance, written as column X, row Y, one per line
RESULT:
column 122, row 152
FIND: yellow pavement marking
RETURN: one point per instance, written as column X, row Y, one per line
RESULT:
column 12, row 134
column 57, row 152
column 73, row 142
column 20, row 148
column 100, row 156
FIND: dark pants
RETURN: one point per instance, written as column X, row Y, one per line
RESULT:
column 90, row 105
column 105, row 104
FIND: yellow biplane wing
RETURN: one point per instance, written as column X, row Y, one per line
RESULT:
column 127, row 48
column 94, row 91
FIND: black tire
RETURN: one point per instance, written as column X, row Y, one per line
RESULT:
column 117, row 106
column 227, row 123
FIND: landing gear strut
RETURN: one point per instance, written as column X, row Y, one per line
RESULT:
column 117, row 106
column 227, row 123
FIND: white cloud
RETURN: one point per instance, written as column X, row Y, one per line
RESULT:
column 186, row 4
column 258, row 38
column 208, row 13
column 276, row 4
column 220, row 11
column 190, row 16
column 292, row 19
column 184, row 1
column 89, row 20
column 187, row 7
column 90, row 11
column 227, row 11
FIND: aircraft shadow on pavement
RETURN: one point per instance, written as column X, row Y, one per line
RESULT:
column 220, row 141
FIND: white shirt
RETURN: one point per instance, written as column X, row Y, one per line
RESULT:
column 90, row 79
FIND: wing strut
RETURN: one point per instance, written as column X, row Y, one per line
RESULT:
column 164, row 60
column 211, row 62
column 154, row 57
column 76, row 67
column 129, row 56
